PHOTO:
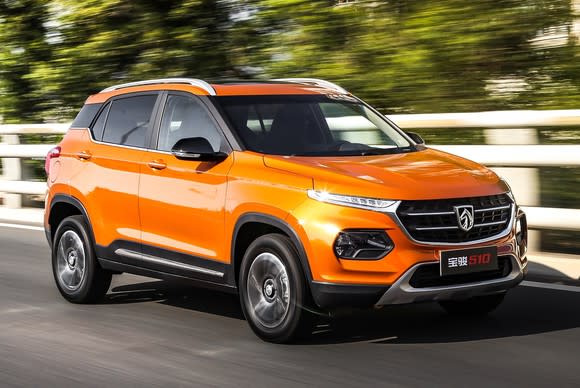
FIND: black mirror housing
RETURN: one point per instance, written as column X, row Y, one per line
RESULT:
column 196, row 148
column 415, row 137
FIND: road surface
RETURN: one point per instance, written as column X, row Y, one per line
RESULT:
column 151, row 333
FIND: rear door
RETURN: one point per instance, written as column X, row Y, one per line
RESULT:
column 182, row 201
column 110, row 181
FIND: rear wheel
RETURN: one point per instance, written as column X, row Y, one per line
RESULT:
column 273, row 290
column 77, row 273
column 476, row 306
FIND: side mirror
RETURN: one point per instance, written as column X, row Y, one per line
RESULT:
column 196, row 148
column 415, row 137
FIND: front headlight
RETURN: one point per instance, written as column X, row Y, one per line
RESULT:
column 375, row 204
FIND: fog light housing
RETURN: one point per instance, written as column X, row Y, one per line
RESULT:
column 362, row 244
column 522, row 233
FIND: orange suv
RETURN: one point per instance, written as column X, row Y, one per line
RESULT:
column 292, row 193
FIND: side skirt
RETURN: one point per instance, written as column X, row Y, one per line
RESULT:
column 144, row 260
column 116, row 266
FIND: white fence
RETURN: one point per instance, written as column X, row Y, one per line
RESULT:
column 517, row 162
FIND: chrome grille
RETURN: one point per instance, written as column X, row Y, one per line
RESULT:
column 435, row 221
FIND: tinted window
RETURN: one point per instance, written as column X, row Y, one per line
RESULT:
column 185, row 117
column 317, row 125
column 351, row 123
column 128, row 120
column 86, row 116
column 99, row 125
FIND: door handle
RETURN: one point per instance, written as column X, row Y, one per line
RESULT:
column 157, row 164
column 84, row 155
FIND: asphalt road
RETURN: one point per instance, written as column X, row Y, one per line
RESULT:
column 150, row 333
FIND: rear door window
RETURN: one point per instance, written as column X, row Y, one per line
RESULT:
column 129, row 120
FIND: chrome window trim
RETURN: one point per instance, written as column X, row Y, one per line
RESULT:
column 92, row 139
column 148, row 149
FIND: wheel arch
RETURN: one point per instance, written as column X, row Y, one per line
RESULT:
column 241, row 239
column 61, row 207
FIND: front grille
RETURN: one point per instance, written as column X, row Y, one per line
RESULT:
column 435, row 221
column 428, row 275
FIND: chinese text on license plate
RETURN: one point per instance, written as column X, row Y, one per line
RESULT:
column 465, row 261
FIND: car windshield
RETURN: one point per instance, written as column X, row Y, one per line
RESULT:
column 311, row 125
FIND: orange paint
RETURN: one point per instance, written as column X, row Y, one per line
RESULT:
column 192, row 207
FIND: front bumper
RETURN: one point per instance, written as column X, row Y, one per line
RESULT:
column 403, row 292
column 329, row 296
column 336, row 282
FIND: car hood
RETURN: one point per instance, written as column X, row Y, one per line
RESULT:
column 424, row 174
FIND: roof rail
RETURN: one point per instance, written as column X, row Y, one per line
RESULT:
column 314, row 81
column 190, row 81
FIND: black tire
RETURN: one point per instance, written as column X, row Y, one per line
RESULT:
column 298, row 319
column 89, row 284
column 473, row 307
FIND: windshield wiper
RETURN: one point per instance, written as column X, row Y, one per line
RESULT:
column 377, row 151
column 364, row 152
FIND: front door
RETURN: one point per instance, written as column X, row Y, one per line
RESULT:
column 181, row 202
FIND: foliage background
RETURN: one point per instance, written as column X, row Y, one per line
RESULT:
column 400, row 55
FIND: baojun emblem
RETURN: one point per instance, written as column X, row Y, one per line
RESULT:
column 465, row 217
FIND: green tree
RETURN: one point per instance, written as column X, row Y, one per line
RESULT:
column 108, row 41
column 400, row 55
column 92, row 44
column 425, row 56
column 23, row 48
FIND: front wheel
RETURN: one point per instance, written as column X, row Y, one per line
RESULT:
column 475, row 306
column 273, row 290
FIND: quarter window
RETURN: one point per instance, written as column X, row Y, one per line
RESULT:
column 128, row 120
column 99, row 125
column 86, row 115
